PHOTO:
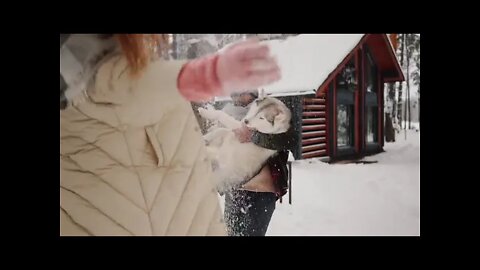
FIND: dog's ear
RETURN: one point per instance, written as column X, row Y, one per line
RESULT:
column 280, row 118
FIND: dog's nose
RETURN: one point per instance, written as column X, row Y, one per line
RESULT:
column 245, row 121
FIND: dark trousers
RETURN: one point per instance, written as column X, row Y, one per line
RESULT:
column 248, row 213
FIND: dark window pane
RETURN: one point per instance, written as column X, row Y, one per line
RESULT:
column 346, row 78
column 344, row 125
column 372, row 127
column 371, row 74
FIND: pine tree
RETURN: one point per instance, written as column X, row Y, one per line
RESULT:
column 408, row 50
column 416, row 73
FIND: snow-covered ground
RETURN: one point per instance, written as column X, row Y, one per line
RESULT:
column 354, row 199
column 415, row 125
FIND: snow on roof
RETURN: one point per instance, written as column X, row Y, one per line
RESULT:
column 290, row 93
column 272, row 94
column 307, row 60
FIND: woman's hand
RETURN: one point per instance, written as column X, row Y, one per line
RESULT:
column 242, row 66
column 246, row 65
column 243, row 134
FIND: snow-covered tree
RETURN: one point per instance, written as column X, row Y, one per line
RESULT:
column 416, row 72
column 403, row 99
column 408, row 54
column 401, row 50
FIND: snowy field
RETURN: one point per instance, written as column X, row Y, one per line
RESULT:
column 354, row 199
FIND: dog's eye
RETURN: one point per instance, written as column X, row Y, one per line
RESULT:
column 261, row 118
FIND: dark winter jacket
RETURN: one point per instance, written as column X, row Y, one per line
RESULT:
column 277, row 163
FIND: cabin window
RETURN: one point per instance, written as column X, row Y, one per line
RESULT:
column 372, row 124
column 371, row 99
column 345, row 125
column 346, row 85
column 346, row 79
column 371, row 73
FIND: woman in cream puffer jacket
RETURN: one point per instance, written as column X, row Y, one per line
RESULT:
column 132, row 157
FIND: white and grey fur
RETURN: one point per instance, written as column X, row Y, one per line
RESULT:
column 235, row 162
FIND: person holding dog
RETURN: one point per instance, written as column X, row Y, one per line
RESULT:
column 249, row 208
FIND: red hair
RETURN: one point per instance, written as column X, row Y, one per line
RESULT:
column 139, row 49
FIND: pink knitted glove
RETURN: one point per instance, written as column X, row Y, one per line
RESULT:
column 243, row 66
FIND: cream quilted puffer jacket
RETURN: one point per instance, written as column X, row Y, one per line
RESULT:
column 133, row 161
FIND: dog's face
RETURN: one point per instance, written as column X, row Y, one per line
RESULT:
column 268, row 115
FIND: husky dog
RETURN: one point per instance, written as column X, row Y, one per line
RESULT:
column 235, row 162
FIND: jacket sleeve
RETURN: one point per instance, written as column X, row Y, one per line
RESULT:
column 159, row 90
column 281, row 141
